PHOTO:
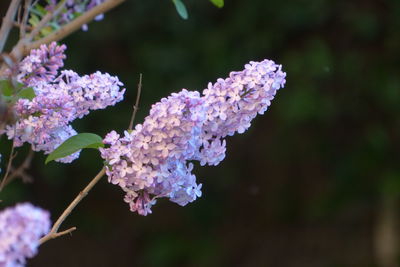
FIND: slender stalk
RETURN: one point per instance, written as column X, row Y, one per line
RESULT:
column 386, row 232
column 10, row 159
column 19, row 26
column 3, row 114
column 55, row 235
column 8, row 21
column 20, row 171
column 18, row 14
column 54, row 230
column 136, row 106
column 23, row 25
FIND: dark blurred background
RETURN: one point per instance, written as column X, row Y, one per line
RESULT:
column 314, row 182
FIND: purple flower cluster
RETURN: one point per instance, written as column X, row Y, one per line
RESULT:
column 44, row 121
column 21, row 227
column 232, row 103
column 153, row 161
column 42, row 64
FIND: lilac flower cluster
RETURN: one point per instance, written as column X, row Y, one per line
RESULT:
column 232, row 103
column 21, row 227
column 151, row 160
column 154, row 160
column 42, row 64
column 73, row 9
column 44, row 121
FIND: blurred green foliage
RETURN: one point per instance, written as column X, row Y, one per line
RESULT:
column 300, row 188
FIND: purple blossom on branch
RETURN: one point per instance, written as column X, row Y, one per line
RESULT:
column 154, row 160
column 44, row 121
column 21, row 227
column 232, row 103
column 151, row 160
column 42, row 64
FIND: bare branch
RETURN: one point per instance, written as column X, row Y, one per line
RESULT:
column 136, row 106
column 55, row 235
column 24, row 21
column 20, row 171
column 10, row 159
column 8, row 21
column 19, row 14
column 54, row 230
column 19, row 26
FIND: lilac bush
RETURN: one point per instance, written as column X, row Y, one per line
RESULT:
column 153, row 160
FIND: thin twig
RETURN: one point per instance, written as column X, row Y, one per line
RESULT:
column 54, row 230
column 24, row 22
column 55, row 235
column 20, row 171
column 136, row 106
column 10, row 159
column 3, row 114
column 7, row 24
column 19, row 14
column 15, row 173
column 19, row 25
column 75, row 24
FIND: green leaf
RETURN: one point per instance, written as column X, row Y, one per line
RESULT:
column 6, row 88
column 180, row 8
column 27, row 93
column 34, row 20
column 46, row 31
column 75, row 143
column 218, row 3
column 40, row 10
column 7, row 98
column 54, row 25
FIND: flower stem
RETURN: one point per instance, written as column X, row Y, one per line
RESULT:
column 10, row 159
column 8, row 21
column 136, row 106
column 54, row 230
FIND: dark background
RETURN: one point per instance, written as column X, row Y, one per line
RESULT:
column 314, row 182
